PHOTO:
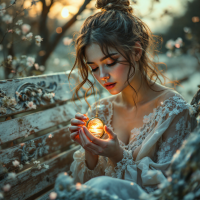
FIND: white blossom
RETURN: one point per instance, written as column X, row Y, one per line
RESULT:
column 24, row 38
column 67, row 41
column 169, row 54
column 25, row 28
column 38, row 40
column 36, row 162
column 19, row 22
column 17, row 93
column 15, row 163
column 170, row 44
column 21, row 166
column 46, row 166
column 12, row 101
column 36, row 66
column 179, row 42
column 187, row 30
column 29, row 36
column 30, row 61
column 2, row 9
column 7, row 19
column 2, row 12
column 33, row 93
column 53, row 195
column 9, row 58
column 42, row 68
column 6, row 187
column 56, row 61
column 11, row 175
column 3, row 110
column 49, row 95
column 39, row 91
column 31, row 105
column 39, row 166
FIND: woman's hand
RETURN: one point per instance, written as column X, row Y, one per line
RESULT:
column 76, row 124
column 109, row 147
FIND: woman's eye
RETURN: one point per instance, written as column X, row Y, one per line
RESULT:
column 112, row 63
column 93, row 70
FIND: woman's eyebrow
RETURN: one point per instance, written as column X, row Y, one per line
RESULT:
column 102, row 59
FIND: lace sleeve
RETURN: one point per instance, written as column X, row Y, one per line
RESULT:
column 80, row 172
column 176, row 133
column 173, row 137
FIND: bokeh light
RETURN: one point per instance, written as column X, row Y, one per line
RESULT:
column 65, row 12
column 59, row 30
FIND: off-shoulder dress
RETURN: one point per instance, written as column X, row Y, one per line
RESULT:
column 162, row 133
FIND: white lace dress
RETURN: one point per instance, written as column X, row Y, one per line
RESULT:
column 162, row 133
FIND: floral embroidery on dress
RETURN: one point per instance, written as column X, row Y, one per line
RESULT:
column 121, row 166
column 164, row 154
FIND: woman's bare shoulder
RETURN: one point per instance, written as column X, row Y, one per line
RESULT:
column 167, row 94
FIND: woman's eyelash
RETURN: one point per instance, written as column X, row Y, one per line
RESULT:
column 112, row 63
column 93, row 70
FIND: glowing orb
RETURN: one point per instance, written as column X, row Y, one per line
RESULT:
column 95, row 126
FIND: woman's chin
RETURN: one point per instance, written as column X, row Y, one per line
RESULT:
column 114, row 92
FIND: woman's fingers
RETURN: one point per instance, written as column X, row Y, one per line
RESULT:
column 75, row 136
column 77, row 122
column 74, row 128
column 85, row 146
column 89, row 144
column 81, row 116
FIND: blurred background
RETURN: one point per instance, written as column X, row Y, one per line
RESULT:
column 36, row 36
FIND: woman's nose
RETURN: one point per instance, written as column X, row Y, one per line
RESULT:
column 103, row 75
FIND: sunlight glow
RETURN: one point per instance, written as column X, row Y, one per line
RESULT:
column 65, row 12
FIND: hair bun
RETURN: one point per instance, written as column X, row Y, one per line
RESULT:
column 121, row 5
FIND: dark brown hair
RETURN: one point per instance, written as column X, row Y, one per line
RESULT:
column 116, row 26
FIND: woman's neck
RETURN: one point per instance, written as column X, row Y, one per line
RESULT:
column 129, row 98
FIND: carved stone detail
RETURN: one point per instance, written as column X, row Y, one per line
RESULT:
column 28, row 95
column 40, row 150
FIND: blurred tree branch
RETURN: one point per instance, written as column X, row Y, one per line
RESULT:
column 49, row 44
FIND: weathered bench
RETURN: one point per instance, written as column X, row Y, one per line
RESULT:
column 35, row 113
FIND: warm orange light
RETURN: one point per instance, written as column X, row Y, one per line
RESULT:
column 95, row 126
column 42, row 53
column 59, row 30
column 65, row 12
column 177, row 46
column 195, row 19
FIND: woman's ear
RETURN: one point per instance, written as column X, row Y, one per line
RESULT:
column 138, row 51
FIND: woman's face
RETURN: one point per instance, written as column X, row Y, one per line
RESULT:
column 105, row 70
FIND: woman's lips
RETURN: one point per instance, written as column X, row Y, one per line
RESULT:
column 110, row 86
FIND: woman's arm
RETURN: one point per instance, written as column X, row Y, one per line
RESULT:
column 91, row 160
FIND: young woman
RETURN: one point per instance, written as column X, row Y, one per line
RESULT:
column 146, row 122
